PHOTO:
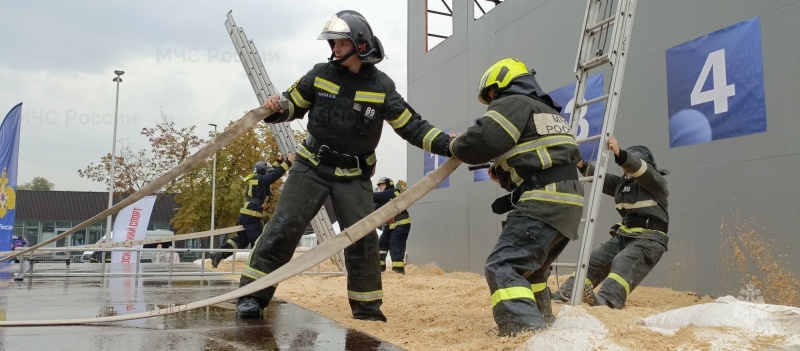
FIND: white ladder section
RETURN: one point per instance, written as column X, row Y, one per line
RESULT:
column 596, row 51
column 283, row 133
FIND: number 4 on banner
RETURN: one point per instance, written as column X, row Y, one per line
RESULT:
column 715, row 65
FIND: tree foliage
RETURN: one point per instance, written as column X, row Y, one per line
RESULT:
column 234, row 162
column 133, row 170
column 171, row 145
column 38, row 183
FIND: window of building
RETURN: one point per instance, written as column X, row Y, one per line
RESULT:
column 438, row 21
column 483, row 7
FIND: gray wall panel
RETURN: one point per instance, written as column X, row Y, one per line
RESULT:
column 722, row 192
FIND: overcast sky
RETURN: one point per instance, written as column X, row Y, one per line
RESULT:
column 58, row 59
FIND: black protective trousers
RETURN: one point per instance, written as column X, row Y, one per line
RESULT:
column 304, row 193
column 252, row 230
column 521, row 260
column 621, row 263
column 394, row 241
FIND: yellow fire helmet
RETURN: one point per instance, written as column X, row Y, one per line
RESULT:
column 500, row 75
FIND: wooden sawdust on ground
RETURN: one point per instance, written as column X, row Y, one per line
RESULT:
column 429, row 309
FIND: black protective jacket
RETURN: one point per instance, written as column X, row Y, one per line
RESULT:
column 381, row 198
column 256, row 188
column 641, row 193
column 346, row 111
column 523, row 133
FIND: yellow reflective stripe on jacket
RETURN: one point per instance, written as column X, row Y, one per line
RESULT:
column 514, row 292
column 365, row 296
column 536, row 144
column 326, row 85
column 298, row 100
column 430, row 136
column 233, row 243
column 513, row 172
column 249, row 212
column 552, row 196
column 401, row 120
column 637, row 204
column 252, row 273
column 250, row 181
column 544, row 158
column 538, row 287
column 504, row 123
column 396, row 264
column 369, row 96
column 400, row 222
column 616, row 277
column 630, row 230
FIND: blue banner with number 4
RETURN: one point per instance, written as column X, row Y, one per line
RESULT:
column 715, row 86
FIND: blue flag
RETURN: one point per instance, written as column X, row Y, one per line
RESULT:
column 9, row 152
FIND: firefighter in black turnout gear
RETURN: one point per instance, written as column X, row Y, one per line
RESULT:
column 256, row 197
column 395, row 233
column 638, row 241
column 533, row 156
column 347, row 100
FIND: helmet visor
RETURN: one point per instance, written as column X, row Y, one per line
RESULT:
column 335, row 26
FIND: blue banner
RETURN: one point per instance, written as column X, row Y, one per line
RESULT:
column 9, row 151
column 715, row 86
column 432, row 161
column 591, row 116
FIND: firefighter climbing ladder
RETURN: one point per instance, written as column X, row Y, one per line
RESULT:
column 598, row 23
column 284, row 136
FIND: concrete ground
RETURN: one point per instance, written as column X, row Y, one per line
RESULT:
column 285, row 326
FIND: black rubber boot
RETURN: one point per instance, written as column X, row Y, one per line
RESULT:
column 216, row 258
column 401, row 270
column 543, row 303
column 248, row 307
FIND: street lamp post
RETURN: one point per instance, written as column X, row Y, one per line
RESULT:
column 213, row 183
column 118, row 80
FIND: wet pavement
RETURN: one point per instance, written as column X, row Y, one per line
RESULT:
column 285, row 326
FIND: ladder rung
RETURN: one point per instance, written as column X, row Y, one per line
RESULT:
column 588, row 139
column 565, row 265
column 585, row 179
column 592, row 101
column 599, row 25
column 595, row 62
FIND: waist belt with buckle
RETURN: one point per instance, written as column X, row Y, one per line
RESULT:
column 550, row 175
column 335, row 159
column 646, row 223
column 538, row 180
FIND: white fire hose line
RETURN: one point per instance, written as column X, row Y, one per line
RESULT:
column 243, row 124
column 296, row 266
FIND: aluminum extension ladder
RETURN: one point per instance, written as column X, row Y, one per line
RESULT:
column 254, row 67
column 596, row 50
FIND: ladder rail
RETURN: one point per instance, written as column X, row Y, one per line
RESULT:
column 617, row 57
column 284, row 136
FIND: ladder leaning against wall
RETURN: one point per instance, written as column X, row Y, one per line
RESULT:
column 254, row 67
column 605, row 37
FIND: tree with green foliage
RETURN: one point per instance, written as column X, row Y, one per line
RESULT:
column 133, row 170
column 234, row 162
column 38, row 183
